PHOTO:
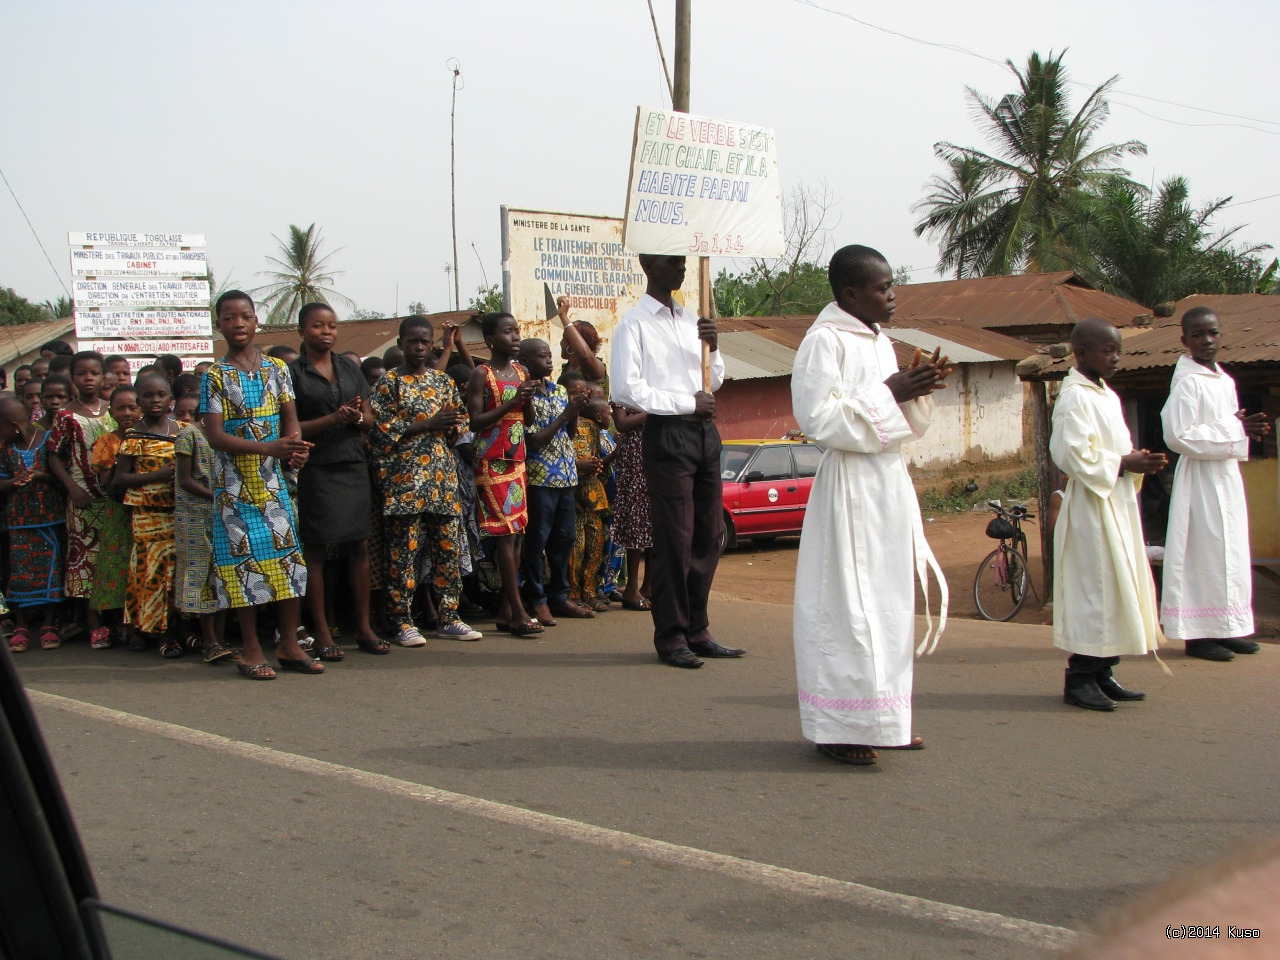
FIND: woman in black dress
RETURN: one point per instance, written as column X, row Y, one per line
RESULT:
column 334, row 495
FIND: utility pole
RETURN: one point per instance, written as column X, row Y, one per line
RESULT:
column 680, row 101
column 456, row 67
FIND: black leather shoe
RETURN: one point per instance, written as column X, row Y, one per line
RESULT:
column 1209, row 650
column 684, row 657
column 712, row 650
column 1239, row 646
column 1110, row 687
column 1087, row 695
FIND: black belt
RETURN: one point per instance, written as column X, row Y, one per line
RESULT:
column 691, row 417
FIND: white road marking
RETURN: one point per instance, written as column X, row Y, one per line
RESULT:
column 787, row 881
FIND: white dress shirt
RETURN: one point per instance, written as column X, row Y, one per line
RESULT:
column 656, row 360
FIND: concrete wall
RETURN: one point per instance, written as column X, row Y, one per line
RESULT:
column 979, row 419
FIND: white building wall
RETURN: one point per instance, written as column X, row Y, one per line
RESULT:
column 978, row 418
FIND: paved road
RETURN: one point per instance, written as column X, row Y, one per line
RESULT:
column 569, row 797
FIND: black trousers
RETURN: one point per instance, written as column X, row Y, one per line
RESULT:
column 682, row 467
column 1083, row 666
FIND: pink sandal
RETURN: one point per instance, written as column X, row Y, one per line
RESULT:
column 20, row 641
column 49, row 639
column 100, row 638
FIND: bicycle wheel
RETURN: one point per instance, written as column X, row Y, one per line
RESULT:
column 1000, row 587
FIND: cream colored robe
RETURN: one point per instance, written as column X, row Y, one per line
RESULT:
column 1208, row 577
column 854, row 619
column 1104, row 600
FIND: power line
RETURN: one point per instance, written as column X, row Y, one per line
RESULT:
column 1241, row 203
column 956, row 48
column 36, row 235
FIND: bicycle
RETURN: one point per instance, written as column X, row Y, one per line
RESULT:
column 1004, row 579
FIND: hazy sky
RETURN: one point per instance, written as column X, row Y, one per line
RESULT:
column 235, row 119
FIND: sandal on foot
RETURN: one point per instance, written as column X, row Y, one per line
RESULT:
column 192, row 643
column 100, row 638
column 527, row 629
column 218, row 652
column 642, row 604
column 137, row 643
column 917, row 743
column 70, row 631
column 305, row 665
column 374, row 646
column 49, row 639
column 331, row 654
column 600, row 606
column 20, row 641
column 256, row 671
column 171, row 649
column 853, row 753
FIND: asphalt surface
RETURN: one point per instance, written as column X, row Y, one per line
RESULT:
column 568, row 796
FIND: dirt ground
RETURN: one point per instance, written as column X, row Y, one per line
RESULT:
column 765, row 572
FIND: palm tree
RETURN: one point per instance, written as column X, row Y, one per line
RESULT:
column 57, row 309
column 1043, row 156
column 303, row 276
column 1157, row 248
column 955, row 205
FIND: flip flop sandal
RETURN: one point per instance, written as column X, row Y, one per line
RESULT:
column 600, row 606
column 642, row 605
column 305, row 665
column 855, row 754
column 527, row 629
column 192, row 643
column 100, row 638
column 917, row 743
column 20, row 641
column 49, row 639
column 218, row 652
column 374, row 646
column 331, row 654
column 171, row 649
column 256, row 671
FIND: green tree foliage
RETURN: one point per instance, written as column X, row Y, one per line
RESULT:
column 1007, row 210
column 57, row 309
column 486, row 299
column 359, row 314
column 416, row 307
column 1157, row 247
column 15, row 309
column 301, row 275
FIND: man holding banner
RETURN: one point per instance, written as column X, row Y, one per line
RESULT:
column 657, row 367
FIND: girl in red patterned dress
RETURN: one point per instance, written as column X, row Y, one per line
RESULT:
column 499, row 401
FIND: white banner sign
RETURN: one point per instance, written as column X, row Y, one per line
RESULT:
column 551, row 255
column 126, row 294
column 137, row 362
column 703, row 187
column 159, row 262
column 150, row 347
column 143, row 323
column 91, row 239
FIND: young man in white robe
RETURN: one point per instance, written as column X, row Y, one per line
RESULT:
column 1104, row 598
column 863, row 540
column 1207, row 601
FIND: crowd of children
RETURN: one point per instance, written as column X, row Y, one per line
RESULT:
column 138, row 510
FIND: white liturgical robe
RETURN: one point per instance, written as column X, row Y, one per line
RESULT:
column 854, row 620
column 1208, row 578
column 1104, row 599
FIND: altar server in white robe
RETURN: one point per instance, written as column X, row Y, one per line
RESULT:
column 1104, row 599
column 863, row 541
column 1207, row 600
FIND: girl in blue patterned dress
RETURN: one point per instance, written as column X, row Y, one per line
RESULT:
column 249, row 419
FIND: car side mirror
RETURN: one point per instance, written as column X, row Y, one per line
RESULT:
column 752, row 476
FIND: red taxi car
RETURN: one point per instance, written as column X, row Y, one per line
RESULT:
column 766, row 487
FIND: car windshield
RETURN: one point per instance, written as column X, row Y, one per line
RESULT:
column 732, row 460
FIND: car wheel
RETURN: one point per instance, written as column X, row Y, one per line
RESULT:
column 728, row 536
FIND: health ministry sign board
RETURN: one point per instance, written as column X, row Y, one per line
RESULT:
column 703, row 187
column 549, row 255
column 141, row 294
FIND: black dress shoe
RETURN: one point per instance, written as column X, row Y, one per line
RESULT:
column 1209, row 650
column 1087, row 695
column 684, row 657
column 1239, row 646
column 1111, row 688
column 712, row 650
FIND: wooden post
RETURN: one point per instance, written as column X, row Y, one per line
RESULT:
column 708, row 310
column 1044, row 481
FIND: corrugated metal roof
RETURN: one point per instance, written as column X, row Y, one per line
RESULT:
column 369, row 337
column 750, row 356
column 19, row 339
column 1250, row 325
column 1024, row 300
